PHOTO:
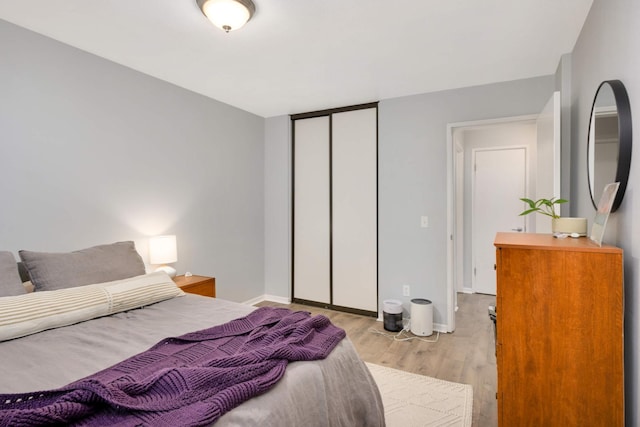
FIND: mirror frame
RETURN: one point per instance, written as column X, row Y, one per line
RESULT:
column 624, row 140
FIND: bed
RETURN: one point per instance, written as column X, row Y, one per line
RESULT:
column 335, row 391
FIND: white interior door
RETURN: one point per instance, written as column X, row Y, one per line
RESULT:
column 311, row 215
column 354, row 205
column 548, row 158
column 499, row 181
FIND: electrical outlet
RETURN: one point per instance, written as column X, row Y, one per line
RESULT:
column 424, row 221
column 406, row 290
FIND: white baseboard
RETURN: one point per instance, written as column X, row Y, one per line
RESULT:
column 254, row 301
column 437, row 327
column 466, row 290
column 275, row 298
column 266, row 297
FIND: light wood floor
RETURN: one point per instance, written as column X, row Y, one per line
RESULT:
column 465, row 356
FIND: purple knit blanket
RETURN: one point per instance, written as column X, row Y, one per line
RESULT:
column 188, row 380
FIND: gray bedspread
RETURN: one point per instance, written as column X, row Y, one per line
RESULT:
column 336, row 391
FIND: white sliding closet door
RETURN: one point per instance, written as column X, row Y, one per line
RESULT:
column 311, row 228
column 354, row 209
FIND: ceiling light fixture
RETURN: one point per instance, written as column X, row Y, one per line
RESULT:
column 228, row 15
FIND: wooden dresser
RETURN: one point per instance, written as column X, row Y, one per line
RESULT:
column 559, row 342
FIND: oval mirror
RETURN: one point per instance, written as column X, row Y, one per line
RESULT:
column 609, row 144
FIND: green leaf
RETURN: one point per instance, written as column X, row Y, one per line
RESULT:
column 529, row 202
column 528, row 211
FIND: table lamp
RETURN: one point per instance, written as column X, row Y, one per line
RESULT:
column 163, row 250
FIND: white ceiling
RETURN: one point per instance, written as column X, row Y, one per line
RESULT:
column 296, row 56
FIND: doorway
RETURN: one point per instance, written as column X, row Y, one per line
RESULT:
column 467, row 139
column 543, row 160
column 498, row 170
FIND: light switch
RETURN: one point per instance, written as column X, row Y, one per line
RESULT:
column 424, row 221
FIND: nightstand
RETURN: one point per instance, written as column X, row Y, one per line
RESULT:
column 200, row 285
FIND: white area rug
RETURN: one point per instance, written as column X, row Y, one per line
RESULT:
column 412, row 400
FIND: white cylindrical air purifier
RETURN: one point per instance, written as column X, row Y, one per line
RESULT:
column 392, row 313
column 421, row 317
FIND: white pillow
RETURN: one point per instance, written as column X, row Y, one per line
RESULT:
column 34, row 312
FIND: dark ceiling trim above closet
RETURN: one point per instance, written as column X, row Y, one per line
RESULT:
column 330, row 111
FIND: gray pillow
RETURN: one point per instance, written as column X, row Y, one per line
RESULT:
column 10, row 283
column 98, row 264
column 24, row 274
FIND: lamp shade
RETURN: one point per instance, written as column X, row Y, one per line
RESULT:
column 163, row 249
column 227, row 15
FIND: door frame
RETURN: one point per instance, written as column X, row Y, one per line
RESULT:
column 451, row 208
column 329, row 113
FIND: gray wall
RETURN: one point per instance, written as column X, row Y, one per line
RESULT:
column 608, row 49
column 563, row 84
column 92, row 152
column 277, row 189
column 412, row 176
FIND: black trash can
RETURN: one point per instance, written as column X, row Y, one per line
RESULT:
column 392, row 315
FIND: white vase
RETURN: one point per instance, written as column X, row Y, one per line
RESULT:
column 569, row 225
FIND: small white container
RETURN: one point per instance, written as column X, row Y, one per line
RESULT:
column 569, row 225
column 421, row 317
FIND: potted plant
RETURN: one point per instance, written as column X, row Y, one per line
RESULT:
column 558, row 224
column 543, row 206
